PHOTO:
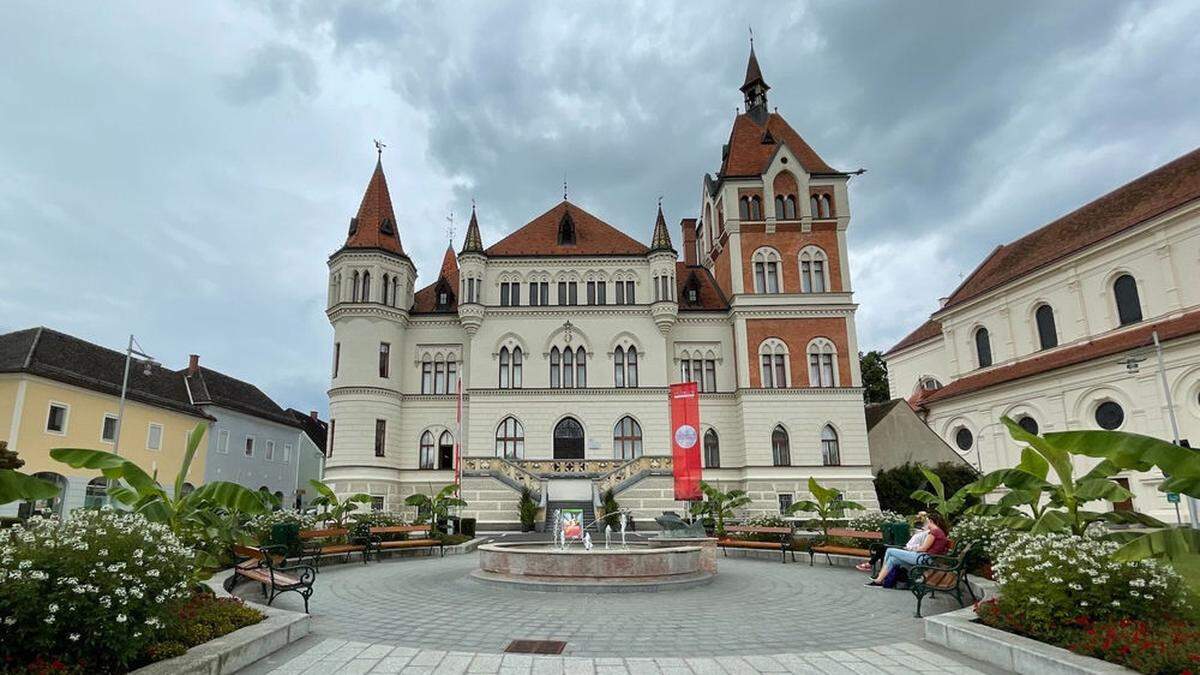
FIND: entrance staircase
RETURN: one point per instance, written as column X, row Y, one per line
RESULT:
column 589, row 514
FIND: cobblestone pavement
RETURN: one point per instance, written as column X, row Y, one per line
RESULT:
column 752, row 607
column 342, row 656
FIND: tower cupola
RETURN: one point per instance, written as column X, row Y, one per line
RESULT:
column 755, row 90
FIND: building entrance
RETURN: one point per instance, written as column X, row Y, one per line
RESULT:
column 568, row 439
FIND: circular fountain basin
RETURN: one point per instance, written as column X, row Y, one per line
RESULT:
column 635, row 569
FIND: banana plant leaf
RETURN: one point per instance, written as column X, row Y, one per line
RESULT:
column 1058, row 458
column 230, row 496
column 113, row 466
column 1101, row 488
column 18, row 487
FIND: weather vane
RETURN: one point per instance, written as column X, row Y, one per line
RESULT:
column 751, row 36
column 379, row 146
column 660, row 201
column 564, row 189
column 450, row 227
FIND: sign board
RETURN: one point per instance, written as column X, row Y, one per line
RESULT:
column 1172, row 497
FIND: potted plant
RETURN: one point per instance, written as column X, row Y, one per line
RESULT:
column 527, row 510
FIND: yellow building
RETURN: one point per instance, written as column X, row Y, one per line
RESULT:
column 59, row 391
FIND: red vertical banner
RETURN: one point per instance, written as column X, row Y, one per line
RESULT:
column 458, row 434
column 685, row 440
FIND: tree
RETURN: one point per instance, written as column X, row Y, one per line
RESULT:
column 336, row 509
column 828, row 505
column 8, row 458
column 718, row 505
column 895, row 486
column 874, row 377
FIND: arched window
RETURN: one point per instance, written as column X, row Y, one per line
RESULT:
column 1028, row 423
column 826, row 206
column 821, row 370
column 1129, row 305
column 446, row 451
column 766, row 271
column 580, row 368
column 395, row 291
column 779, row 206
column 625, row 367
column 366, row 287
column 812, row 270
column 386, row 288
column 1047, row 332
column 627, row 438
column 568, row 368
column 439, row 374
column 755, row 207
column 983, row 347
column 929, row 383
column 555, row 368
column 712, row 449
column 510, row 439
column 744, row 208
column 96, row 495
column 789, row 207
column 781, row 452
column 354, row 287
column 505, row 368
column 518, row 359
column 831, row 455
column 426, row 450
column 814, row 206
column 773, row 357
column 568, row 439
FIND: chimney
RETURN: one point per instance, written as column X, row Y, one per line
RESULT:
column 689, row 240
column 313, row 415
column 193, row 363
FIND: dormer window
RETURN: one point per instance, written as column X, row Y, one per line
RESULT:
column 353, row 225
column 692, row 296
column 385, row 226
column 566, row 230
column 443, row 295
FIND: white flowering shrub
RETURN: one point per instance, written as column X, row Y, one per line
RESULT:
column 93, row 591
column 872, row 521
column 1054, row 579
column 260, row 525
column 987, row 536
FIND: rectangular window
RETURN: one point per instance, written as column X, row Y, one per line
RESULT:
column 544, row 289
column 108, row 429
column 380, row 436
column 504, row 294
column 562, row 292
column 385, row 359
column 337, row 357
column 426, row 377
column 768, row 380
column 439, row 377
column 620, row 292
column 287, row 452
column 223, row 441
column 329, row 449
column 818, row 276
column 249, row 449
column 785, row 501
column 760, row 277
column 533, row 294
column 591, row 292
column 685, row 370
column 515, row 294
column 601, row 288
column 710, row 375
column 154, row 437
column 780, row 372
column 573, row 293
column 376, row 503
column 629, row 294
column 772, row 277
column 827, row 370
column 56, row 419
column 269, row 454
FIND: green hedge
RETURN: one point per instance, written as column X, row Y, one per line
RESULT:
column 894, row 486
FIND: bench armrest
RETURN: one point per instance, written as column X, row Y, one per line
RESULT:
column 945, row 563
column 307, row 572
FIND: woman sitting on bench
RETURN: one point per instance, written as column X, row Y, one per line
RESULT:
column 936, row 543
column 914, row 544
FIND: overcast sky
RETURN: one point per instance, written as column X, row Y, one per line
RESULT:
column 182, row 171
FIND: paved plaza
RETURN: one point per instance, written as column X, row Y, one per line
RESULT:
column 427, row 615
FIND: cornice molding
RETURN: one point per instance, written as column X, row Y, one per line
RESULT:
column 377, row 309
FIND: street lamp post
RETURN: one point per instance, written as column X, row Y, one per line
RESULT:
column 130, row 350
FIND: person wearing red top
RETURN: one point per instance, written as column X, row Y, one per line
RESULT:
column 937, row 543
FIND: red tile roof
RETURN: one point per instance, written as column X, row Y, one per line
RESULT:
column 425, row 300
column 710, row 296
column 750, row 156
column 926, row 331
column 1151, row 195
column 375, row 225
column 1116, row 342
column 592, row 236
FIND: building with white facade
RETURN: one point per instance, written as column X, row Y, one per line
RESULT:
column 566, row 333
column 1056, row 330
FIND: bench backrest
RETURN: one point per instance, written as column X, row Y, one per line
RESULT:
column 754, row 529
column 854, row 534
column 396, row 529
column 248, row 552
column 320, row 534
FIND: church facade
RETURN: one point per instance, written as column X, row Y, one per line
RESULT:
column 565, row 335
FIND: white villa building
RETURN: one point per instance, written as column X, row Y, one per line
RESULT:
column 566, row 333
column 1056, row 331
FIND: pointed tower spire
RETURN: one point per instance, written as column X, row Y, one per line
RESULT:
column 449, row 269
column 661, row 241
column 375, row 225
column 473, row 242
column 755, row 88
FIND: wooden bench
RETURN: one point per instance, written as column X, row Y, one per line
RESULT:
column 314, row 551
column 940, row 573
column 782, row 535
column 262, row 566
column 835, row 549
column 377, row 543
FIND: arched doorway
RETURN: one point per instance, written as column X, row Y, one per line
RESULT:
column 47, row 507
column 568, row 439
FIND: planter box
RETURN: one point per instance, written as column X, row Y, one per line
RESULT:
column 234, row 651
column 958, row 631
